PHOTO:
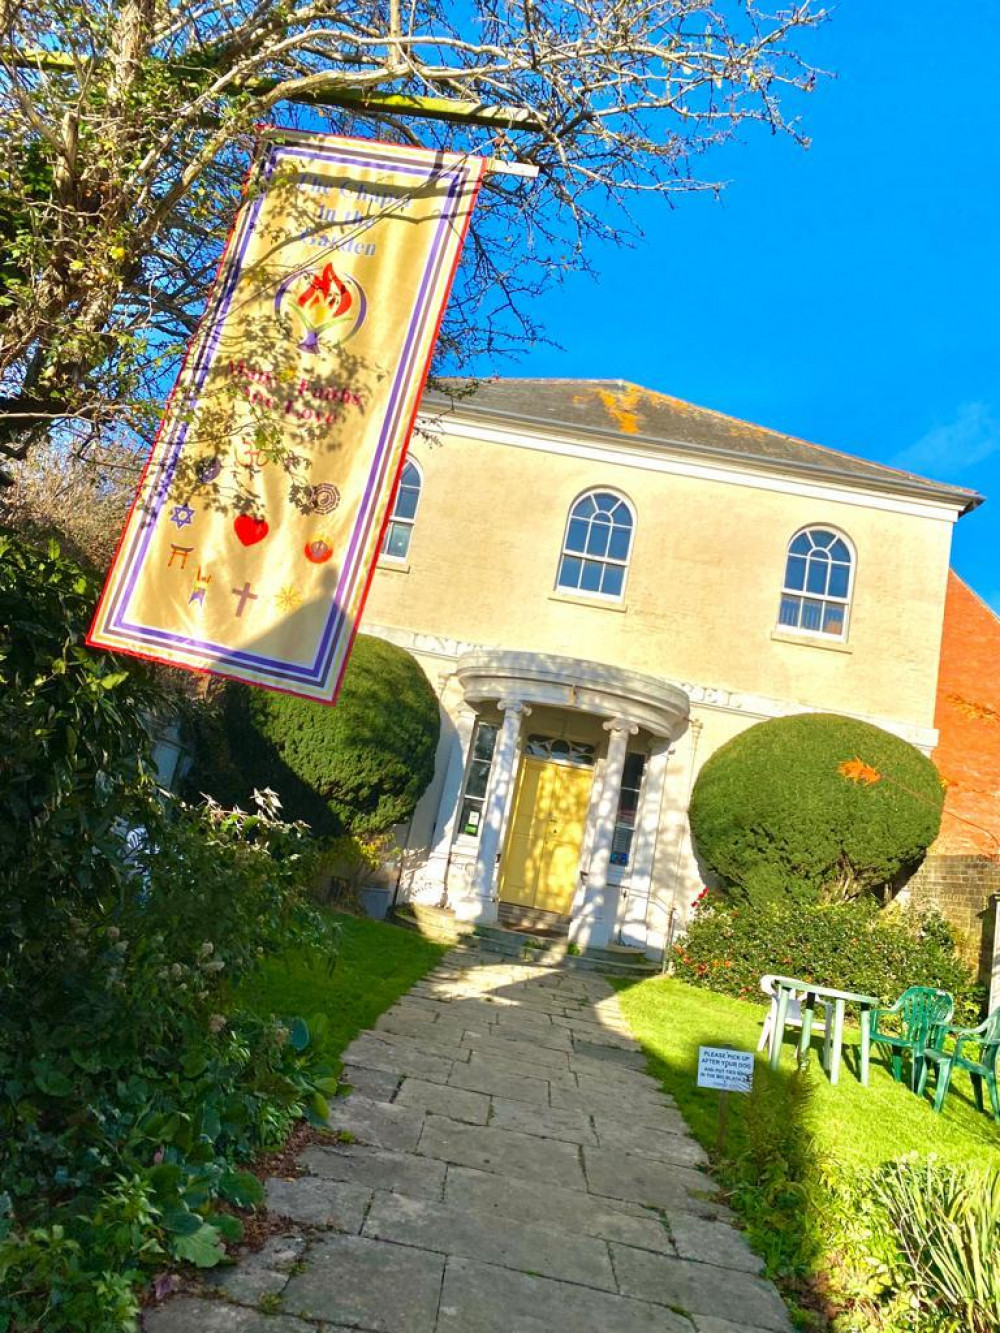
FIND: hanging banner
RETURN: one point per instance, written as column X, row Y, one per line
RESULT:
column 259, row 517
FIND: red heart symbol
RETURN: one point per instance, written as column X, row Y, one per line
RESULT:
column 250, row 530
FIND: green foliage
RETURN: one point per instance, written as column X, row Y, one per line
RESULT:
column 804, row 1161
column 851, row 946
column 773, row 817
column 946, row 1224
column 358, row 767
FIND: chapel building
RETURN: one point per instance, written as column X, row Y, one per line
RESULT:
column 604, row 585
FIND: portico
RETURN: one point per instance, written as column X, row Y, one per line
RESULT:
column 546, row 743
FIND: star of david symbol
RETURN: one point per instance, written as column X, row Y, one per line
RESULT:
column 181, row 515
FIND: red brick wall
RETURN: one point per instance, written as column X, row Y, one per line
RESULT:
column 968, row 721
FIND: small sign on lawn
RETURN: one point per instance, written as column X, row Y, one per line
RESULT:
column 729, row 1071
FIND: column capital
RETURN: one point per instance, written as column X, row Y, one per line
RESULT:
column 616, row 725
column 514, row 705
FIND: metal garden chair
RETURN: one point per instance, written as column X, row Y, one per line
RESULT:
column 923, row 1013
column 983, row 1070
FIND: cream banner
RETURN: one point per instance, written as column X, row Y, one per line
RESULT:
column 259, row 517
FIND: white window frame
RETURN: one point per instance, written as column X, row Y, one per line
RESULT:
column 826, row 599
column 408, row 523
column 563, row 589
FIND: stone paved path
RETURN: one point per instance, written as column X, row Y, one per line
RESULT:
column 511, row 1169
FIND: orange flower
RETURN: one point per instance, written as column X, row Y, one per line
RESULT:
column 856, row 770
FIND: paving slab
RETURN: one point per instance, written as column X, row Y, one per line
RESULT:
column 382, row 1124
column 502, row 1150
column 376, row 1169
column 643, row 1109
column 259, row 1273
column 483, row 1235
column 368, row 1284
column 699, row 1288
column 670, row 1142
column 455, row 1103
column 712, row 1243
column 620, row 1175
column 543, row 1121
column 312, row 1201
column 591, row 1050
column 709, row 1324
column 378, row 1084
column 518, row 1066
column 187, row 1314
column 499, row 1083
column 372, row 1052
column 517, row 1048
column 479, row 1298
column 551, row 1205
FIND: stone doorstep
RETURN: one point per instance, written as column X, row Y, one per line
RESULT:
column 474, row 1234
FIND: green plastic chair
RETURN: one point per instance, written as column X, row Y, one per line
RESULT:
column 924, row 1013
column 983, row 1070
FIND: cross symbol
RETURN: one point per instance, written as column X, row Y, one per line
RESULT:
column 245, row 595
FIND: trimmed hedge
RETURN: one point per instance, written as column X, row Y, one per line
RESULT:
column 851, row 946
column 772, row 816
column 358, row 767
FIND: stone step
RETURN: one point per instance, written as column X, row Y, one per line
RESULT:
column 435, row 923
column 532, row 919
column 511, row 944
column 616, row 953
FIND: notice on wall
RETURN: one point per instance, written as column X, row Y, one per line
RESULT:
column 726, row 1070
column 258, row 521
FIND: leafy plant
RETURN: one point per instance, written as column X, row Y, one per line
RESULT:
column 852, row 946
column 775, row 815
column 946, row 1223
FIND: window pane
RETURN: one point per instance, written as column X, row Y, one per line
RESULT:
column 479, row 775
column 789, row 613
column 614, row 578
column 821, row 537
column 397, row 540
column 839, row 577
column 818, row 571
column 472, row 815
column 801, row 545
column 840, row 552
column 606, row 502
column 620, row 540
column 569, row 572
column 833, row 619
column 632, row 773
column 795, row 572
column 584, row 508
column 812, row 614
column 621, row 845
column 406, row 502
column 576, row 537
column 410, row 477
column 590, row 580
column 486, row 739
column 597, row 542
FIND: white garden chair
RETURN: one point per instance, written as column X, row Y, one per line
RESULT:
column 793, row 1018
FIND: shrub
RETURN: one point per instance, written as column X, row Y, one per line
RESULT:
column 129, row 1092
column 358, row 767
column 773, row 814
column 851, row 946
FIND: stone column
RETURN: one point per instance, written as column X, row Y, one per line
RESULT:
column 635, row 921
column 482, row 905
column 594, row 925
column 428, row 882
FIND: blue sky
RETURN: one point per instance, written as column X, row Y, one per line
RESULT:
column 848, row 294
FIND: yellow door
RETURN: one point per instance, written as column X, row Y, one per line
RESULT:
column 542, row 856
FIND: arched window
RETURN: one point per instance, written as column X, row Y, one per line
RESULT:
column 404, row 512
column 816, row 595
column 597, row 544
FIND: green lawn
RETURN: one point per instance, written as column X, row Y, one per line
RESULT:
column 375, row 964
column 861, row 1127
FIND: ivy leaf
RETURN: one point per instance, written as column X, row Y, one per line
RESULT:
column 52, row 1081
column 203, row 1248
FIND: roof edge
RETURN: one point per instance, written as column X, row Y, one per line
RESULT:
column 960, row 497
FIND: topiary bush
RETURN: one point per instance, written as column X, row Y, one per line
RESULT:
column 786, row 810
column 851, row 946
column 358, row 767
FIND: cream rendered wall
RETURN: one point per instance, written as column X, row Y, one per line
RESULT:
column 702, row 595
